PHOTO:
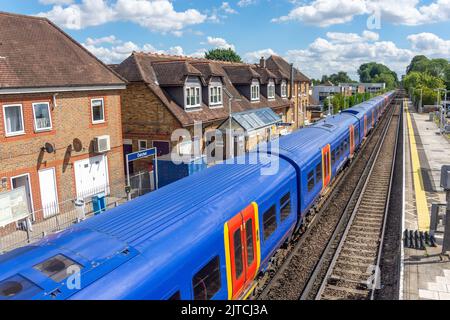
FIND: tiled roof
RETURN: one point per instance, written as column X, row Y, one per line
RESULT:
column 34, row 53
column 140, row 67
column 241, row 74
column 174, row 73
column 277, row 63
column 266, row 75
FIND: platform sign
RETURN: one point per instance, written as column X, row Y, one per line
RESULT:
column 153, row 152
column 13, row 206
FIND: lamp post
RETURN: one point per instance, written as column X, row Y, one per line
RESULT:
column 421, row 99
column 441, row 108
column 230, row 115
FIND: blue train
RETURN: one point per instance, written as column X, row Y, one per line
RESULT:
column 205, row 237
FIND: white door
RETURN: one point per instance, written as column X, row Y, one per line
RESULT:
column 49, row 193
column 91, row 176
column 24, row 181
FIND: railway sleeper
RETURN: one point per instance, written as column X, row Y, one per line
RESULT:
column 349, row 283
column 338, row 293
column 355, row 266
column 359, row 259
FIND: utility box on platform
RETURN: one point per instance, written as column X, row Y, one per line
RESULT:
column 445, row 177
column 169, row 172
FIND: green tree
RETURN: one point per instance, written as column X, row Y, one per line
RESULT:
column 417, row 82
column 223, row 55
column 336, row 78
column 373, row 72
column 418, row 64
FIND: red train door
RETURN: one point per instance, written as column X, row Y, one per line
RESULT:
column 373, row 118
column 326, row 165
column 352, row 140
column 242, row 250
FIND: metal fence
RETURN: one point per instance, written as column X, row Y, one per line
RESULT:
column 55, row 217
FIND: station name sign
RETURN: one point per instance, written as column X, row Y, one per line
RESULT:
column 141, row 154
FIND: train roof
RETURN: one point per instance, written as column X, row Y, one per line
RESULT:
column 303, row 145
column 157, row 225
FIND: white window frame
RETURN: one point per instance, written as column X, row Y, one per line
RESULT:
column 256, row 97
column 92, row 111
column 180, row 145
column 17, row 133
column 139, row 145
column 29, row 186
column 271, row 87
column 219, row 95
column 49, row 116
column 198, row 98
column 284, row 89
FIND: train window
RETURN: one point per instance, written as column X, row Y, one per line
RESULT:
column 319, row 173
column 333, row 157
column 57, row 268
column 311, row 182
column 176, row 296
column 207, row 282
column 238, row 262
column 285, row 206
column 16, row 287
column 249, row 239
column 270, row 222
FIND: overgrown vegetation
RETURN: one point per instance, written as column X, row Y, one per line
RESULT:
column 223, row 55
column 424, row 76
column 373, row 72
column 341, row 102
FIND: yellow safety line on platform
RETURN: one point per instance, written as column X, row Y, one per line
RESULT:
column 423, row 215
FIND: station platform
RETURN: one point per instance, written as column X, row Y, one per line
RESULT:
column 425, row 273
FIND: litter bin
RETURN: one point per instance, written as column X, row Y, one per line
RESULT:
column 99, row 203
column 80, row 207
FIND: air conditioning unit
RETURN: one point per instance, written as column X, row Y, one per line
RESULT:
column 102, row 144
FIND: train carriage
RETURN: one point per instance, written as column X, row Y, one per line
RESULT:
column 205, row 237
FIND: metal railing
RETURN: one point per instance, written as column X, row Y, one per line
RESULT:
column 58, row 216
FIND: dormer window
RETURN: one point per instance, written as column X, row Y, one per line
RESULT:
column 255, row 90
column 215, row 96
column 193, row 97
column 271, row 90
column 284, row 89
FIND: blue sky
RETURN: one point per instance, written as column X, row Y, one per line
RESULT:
column 319, row 36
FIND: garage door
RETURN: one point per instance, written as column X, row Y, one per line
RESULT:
column 91, row 176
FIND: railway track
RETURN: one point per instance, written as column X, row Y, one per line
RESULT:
column 299, row 262
column 350, row 266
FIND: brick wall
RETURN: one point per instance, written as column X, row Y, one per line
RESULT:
column 71, row 122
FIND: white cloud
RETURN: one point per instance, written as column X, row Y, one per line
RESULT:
column 255, row 56
column 430, row 44
column 346, row 52
column 245, row 3
column 156, row 15
column 112, row 50
column 47, row 2
column 219, row 43
column 325, row 13
column 109, row 39
column 227, row 8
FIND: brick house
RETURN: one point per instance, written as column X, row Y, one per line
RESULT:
column 165, row 93
column 298, row 87
column 60, row 117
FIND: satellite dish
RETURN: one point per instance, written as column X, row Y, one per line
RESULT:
column 77, row 145
column 48, row 147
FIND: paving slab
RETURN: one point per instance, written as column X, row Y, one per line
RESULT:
column 426, row 274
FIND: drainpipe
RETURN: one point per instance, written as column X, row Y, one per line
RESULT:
column 292, row 95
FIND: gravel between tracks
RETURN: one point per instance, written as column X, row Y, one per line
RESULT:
column 295, row 276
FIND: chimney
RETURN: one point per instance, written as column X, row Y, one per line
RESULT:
column 262, row 62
